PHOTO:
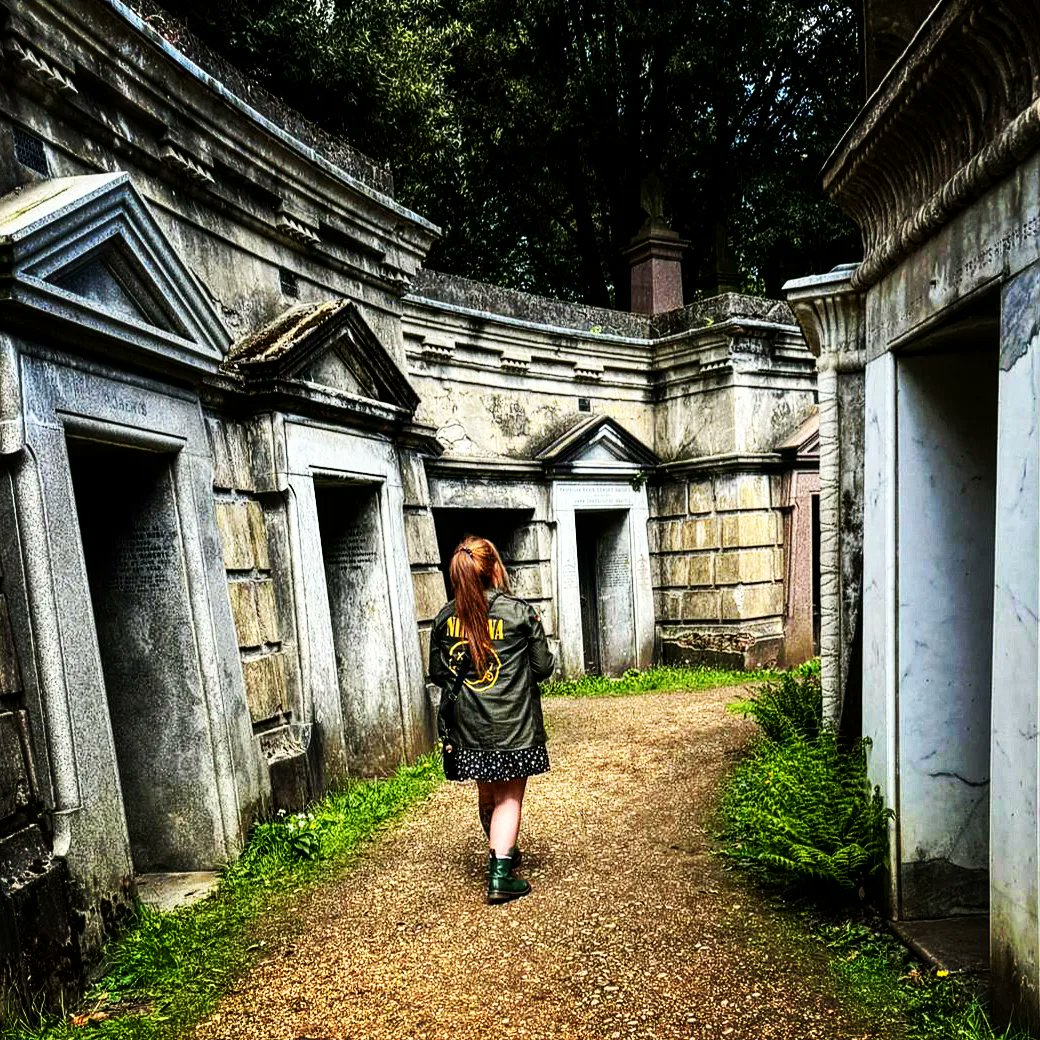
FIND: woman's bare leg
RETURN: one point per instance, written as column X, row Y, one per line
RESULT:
column 505, row 820
column 485, row 805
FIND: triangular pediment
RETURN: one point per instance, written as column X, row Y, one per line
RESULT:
column 327, row 346
column 87, row 252
column 804, row 442
column 597, row 443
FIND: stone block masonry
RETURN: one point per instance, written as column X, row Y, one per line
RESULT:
column 717, row 565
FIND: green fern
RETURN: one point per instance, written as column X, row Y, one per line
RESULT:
column 791, row 706
column 799, row 810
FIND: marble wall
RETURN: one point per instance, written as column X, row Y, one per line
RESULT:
column 1014, row 935
column 946, row 449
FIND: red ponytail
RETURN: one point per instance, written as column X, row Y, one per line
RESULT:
column 475, row 567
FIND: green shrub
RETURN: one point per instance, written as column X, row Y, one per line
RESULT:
column 792, row 706
column 800, row 813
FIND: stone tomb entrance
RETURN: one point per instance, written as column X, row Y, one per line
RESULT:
column 135, row 569
column 946, row 449
column 501, row 526
column 362, row 631
column 605, row 590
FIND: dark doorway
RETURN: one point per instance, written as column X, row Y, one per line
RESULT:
column 362, row 626
column 605, row 590
column 500, row 526
column 588, row 594
column 135, row 571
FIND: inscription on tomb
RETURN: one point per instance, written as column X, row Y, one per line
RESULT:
column 616, row 573
column 146, row 561
column 354, row 551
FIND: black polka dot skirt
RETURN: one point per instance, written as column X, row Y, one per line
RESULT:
column 488, row 764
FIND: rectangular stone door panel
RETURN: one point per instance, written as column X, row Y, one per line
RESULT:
column 131, row 543
column 1014, row 927
column 359, row 606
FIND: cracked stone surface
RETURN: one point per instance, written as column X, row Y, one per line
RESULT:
column 633, row 929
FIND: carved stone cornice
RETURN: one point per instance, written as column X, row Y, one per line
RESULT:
column 959, row 111
column 830, row 311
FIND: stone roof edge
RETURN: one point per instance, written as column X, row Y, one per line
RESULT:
column 286, row 137
column 749, row 462
column 694, row 319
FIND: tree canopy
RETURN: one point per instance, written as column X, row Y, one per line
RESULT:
column 535, row 131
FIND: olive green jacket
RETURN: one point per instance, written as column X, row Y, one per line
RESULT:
column 502, row 708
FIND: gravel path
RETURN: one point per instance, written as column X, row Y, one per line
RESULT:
column 633, row 929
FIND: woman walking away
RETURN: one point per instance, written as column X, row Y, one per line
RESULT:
column 492, row 713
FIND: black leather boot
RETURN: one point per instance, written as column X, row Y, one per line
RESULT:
column 503, row 884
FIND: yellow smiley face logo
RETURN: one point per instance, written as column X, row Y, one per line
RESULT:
column 490, row 676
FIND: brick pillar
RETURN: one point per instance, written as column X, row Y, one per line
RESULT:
column 655, row 255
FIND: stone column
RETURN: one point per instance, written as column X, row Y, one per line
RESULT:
column 830, row 313
column 655, row 256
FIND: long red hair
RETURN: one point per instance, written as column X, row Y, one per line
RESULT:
column 475, row 567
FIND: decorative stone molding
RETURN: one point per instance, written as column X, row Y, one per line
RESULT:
column 42, row 69
column 588, row 371
column 518, row 361
column 437, row 351
column 829, row 311
column 959, row 111
column 180, row 160
column 294, row 228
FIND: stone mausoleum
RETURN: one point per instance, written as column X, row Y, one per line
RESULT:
column 929, row 356
column 241, row 430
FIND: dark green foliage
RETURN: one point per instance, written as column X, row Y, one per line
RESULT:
column 660, row 677
column 535, row 131
column 798, row 811
column 791, row 706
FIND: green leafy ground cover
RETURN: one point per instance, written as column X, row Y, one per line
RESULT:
column 799, row 816
column 169, row 968
column 662, row 677
column 878, row 972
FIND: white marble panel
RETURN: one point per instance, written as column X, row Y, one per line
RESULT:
column 947, row 469
column 1016, row 605
column 879, row 588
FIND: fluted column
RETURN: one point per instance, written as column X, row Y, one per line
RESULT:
column 830, row 313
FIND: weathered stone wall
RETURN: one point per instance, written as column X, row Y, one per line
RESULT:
column 715, row 386
column 504, row 383
column 716, row 544
column 262, row 217
column 423, row 554
column 39, row 952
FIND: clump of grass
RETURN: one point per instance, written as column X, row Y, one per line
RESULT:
column 879, row 973
column 661, row 677
column 798, row 812
column 169, row 968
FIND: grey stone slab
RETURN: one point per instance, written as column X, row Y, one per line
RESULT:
column 168, row 891
column 954, row 944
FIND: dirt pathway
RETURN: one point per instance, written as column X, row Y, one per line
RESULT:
column 633, row 929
